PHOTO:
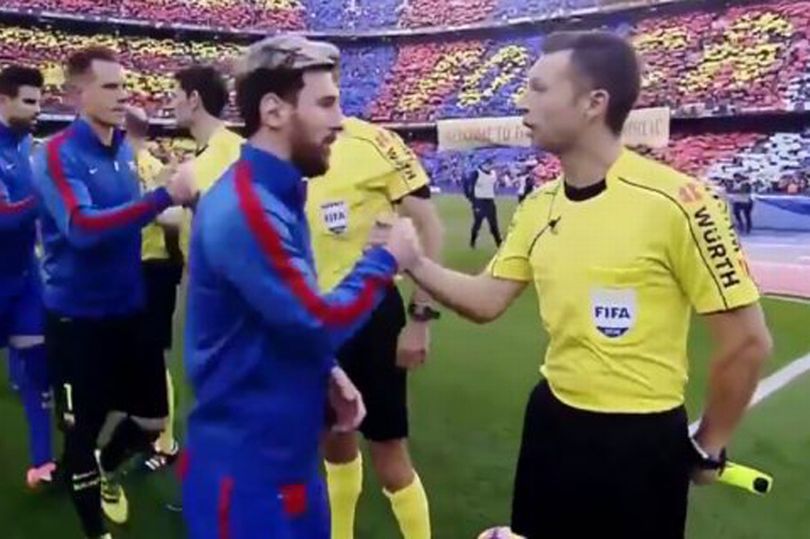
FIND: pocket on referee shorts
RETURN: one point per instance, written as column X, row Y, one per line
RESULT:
column 616, row 302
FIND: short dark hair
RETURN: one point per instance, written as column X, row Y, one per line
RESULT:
column 80, row 62
column 209, row 84
column 252, row 87
column 15, row 76
column 607, row 62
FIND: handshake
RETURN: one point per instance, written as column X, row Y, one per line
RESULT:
column 398, row 237
column 179, row 182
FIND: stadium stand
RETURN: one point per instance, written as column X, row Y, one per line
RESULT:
column 323, row 15
column 743, row 59
column 727, row 62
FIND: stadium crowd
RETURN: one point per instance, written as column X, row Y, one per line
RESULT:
column 311, row 14
column 741, row 59
column 749, row 58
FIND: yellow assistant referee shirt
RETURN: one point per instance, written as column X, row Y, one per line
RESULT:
column 370, row 169
column 617, row 276
column 153, row 242
column 208, row 166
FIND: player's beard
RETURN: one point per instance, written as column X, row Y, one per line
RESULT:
column 311, row 158
column 21, row 126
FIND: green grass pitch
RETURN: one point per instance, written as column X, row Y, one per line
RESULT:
column 467, row 406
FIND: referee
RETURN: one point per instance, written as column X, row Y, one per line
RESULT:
column 93, row 289
column 162, row 264
column 200, row 97
column 373, row 173
column 620, row 250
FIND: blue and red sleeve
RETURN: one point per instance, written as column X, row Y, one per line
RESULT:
column 259, row 255
column 66, row 197
column 14, row 214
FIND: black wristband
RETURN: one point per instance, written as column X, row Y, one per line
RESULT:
column 423, row 313
column 702, row 460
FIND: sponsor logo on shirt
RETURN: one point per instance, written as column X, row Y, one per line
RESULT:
column 335, row 216
column 613, row 310
column 719, row 253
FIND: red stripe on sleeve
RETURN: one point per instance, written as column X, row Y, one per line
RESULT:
column 224, row 508
column 270, row 243
column 112, row 219
column 16, row 207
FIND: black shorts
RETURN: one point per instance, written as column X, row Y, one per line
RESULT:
column 103, row 365
column 585, row 474
column 161, row 279
column 370, row 360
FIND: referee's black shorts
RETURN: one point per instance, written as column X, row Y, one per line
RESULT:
column 103, row 365
column 613, row 476
column 161, row 278
column 370, row 360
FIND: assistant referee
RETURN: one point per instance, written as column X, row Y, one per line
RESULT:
column 620, row 250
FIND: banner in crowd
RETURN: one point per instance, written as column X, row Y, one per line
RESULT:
column 645, row 127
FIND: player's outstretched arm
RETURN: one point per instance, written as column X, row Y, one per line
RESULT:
column 14, row 213
column 264, row 258
column 67, row 199
column 742, row 344
column 480, row 298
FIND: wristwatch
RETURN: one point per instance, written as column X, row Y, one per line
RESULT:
column 703, row 460
column 423, row 313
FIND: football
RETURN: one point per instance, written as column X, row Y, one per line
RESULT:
column 501, row 532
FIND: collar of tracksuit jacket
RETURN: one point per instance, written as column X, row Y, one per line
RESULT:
column 83, row 134
column 280, row 177
column 9, row 137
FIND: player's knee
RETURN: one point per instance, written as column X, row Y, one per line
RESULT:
column 151, row 426
column 392, row 463
column 340, row 447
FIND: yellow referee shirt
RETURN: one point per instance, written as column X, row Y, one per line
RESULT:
column 153, row 243
column 213, row 160
column 370, row 169
column 208, row 166
column 617, row 276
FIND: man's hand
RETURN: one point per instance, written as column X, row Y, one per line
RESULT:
column 380, row 232
column 181, row 185
column 403, row 243
column 345, row 401
column 165, row 175
column 413, row 345
column 704, row 477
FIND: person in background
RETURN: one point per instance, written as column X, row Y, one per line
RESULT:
column 21, row 313
column 742, row 203
column 162, row 263
column 525, row 185
column 484, row 207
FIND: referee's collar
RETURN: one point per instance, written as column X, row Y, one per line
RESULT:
column 580, row 194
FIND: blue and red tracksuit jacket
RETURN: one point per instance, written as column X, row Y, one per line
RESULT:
column 18, row 211
column 260, row 338
column 91, row 223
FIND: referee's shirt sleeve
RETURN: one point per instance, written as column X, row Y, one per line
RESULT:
column 705, row 253
column 407, row 174
column 511, row 262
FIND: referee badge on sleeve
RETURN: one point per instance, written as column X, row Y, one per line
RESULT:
column 613, row 310
column 335, row 216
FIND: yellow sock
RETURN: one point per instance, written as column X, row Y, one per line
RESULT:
column 410, row 506
column 165, row 443
column 345, row 483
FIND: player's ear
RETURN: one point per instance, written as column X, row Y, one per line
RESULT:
column 194, row 100
column 274, row 111
column 597, row 104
